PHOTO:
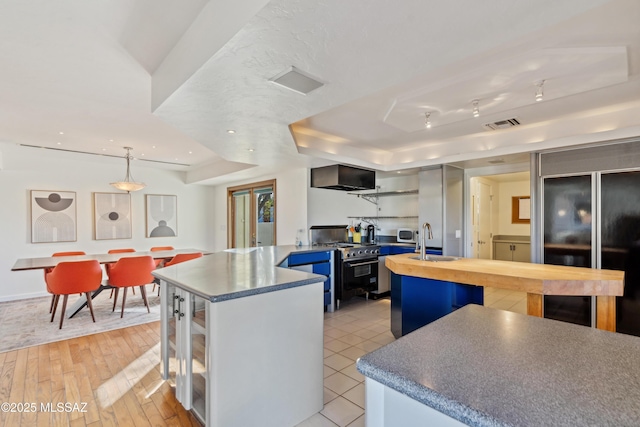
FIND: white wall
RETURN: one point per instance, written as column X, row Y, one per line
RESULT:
column 28, row 169
column 507, row 190
column 333, row 207
column 291, row 206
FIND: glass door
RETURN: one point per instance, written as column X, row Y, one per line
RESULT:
column 568, row 240
column 252, row 212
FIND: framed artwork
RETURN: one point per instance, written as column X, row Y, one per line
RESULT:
column 521, row 210
column 162, row 215
column 112, row 216
column 53, row 216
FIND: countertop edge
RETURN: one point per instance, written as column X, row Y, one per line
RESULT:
column 428, row 397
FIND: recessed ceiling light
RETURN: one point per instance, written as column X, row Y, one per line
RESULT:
column 142, row 154
column 104, row 149
column 176, row 158
column 153, row 146
column 111, row 140
column 190, row 152
column 61, row 133
column 251, row 150
column 231, row 131
column 59, row 143
column 399, row 172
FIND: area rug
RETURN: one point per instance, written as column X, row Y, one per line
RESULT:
column 26, row 323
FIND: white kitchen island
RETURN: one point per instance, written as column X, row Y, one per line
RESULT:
column 243, row 339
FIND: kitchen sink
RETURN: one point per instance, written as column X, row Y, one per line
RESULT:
column 437, row 258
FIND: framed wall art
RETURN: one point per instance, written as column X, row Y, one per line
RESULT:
column 162, row 215
column 112, row 216
column 53, row 216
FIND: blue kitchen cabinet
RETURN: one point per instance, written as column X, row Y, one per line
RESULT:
column 416, row 302
column 320, row 262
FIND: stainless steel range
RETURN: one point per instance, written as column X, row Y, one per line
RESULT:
column 356, row 267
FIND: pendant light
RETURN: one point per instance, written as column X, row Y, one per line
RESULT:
column 128, row 184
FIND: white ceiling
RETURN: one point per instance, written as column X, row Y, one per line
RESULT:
column 171, row 78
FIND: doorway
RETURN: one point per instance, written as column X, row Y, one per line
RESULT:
column 251, row 210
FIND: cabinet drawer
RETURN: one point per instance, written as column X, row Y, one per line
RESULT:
column 323, row 268
column 308, row 258
column 327, row 298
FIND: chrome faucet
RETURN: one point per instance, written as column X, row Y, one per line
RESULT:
column 423, row 248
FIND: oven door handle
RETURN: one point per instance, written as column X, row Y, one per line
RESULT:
column 362, row 263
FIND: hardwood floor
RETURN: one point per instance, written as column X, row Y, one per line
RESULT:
column 107, row 379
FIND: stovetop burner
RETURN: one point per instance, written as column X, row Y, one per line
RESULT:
column 354, row 251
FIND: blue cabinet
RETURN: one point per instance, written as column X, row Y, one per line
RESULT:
column 320, row 262
column 416, row 302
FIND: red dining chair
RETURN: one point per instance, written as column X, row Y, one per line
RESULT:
column 177, row 260
column 182, row 258
column 158, row 249
column 73, row 277
column 48, row 270
column 107, row 267
column 159, row 262
column 130, row 272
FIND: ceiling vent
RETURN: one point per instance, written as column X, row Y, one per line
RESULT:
column 297, row 81
column 502, row 124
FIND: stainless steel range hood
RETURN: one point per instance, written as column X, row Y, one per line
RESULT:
column 342, row 177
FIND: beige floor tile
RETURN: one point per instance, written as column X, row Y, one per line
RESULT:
column 317, row 420
column 328, row 371
column 352, row 339
column 337, row 362
column 356, row 395
column 353, row 352
column 352, row 371
column 336, row 345
column 339, row 383
column 335, row 333
column 384, row 338
column 379, row 328
column 369, row 346
column 349, row 327
column 366, row 333
column 341, row 411
column 328, row 352
column 359, row 422
column 329, row 395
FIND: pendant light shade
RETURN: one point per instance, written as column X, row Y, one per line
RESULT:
column 128, row 184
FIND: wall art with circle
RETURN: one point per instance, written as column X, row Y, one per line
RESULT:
column 162, row 215
column 112, row 215
column 53, row 216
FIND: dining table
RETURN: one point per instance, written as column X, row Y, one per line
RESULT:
column 42, row 263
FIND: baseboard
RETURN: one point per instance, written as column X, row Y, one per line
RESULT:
column 23, row 296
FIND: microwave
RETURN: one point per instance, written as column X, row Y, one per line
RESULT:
column 406, row 235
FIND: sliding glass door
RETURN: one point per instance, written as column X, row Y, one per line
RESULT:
column 252, row 210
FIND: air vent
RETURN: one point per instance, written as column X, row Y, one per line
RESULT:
column 297, row 81
column 502, row 124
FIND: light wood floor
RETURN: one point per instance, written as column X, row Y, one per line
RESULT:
column 116, row 373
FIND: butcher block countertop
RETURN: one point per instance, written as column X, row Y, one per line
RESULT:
column 534, row 279
column 518, row 276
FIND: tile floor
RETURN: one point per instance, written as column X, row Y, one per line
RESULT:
column 360, row 327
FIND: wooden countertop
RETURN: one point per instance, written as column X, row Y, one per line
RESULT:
column 541, row 279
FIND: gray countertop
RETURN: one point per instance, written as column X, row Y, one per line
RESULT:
column 235, row 274
column 487, row 367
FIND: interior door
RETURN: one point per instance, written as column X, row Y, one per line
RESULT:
column 483, row 230
column 252, row 210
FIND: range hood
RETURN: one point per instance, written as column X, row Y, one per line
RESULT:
column 341, row 177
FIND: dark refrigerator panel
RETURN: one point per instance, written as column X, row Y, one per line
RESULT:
column 620, row 242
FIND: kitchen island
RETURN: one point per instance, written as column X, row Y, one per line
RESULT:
column 535, row 279
column 243, row 338
column 485, row 367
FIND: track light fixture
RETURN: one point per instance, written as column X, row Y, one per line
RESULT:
column 539, row 90
column 476, row 109
column 427, row 120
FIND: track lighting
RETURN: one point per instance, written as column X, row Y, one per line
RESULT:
column 476, row 109
column 539, row 90
column 427, row 120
